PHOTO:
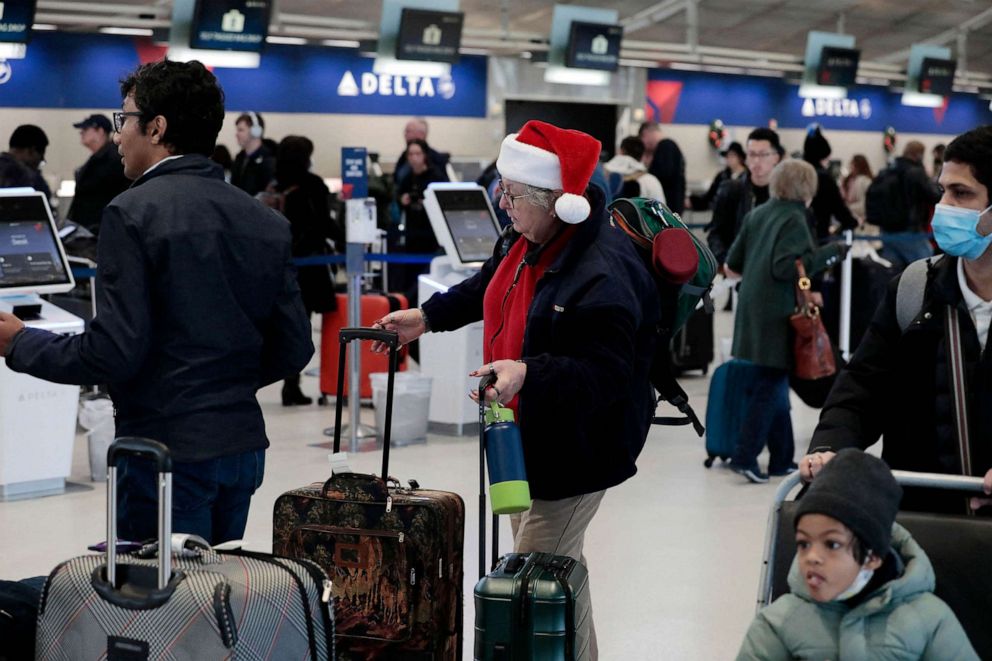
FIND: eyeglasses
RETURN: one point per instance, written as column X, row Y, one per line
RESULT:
column 760, row 155
column 510, row 198
column 119, row 118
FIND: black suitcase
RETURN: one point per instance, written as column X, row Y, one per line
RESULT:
column 18, row 617
column 692, row 345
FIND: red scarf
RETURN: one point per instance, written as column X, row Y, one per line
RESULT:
column 505, row 306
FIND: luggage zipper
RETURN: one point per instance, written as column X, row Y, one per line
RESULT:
column 261, row 557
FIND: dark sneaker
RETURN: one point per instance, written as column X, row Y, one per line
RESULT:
column 782, row 472
column 752, row 473
column 755, row 475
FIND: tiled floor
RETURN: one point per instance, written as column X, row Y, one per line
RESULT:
column 675, row 552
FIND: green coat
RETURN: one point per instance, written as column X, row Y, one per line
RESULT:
column 772, row 237
column 902, row 619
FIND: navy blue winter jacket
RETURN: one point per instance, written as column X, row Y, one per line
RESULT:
column 586, row 403
column 197, row 308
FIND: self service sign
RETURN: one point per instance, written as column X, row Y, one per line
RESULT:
column 240, row 25
column 16, row 17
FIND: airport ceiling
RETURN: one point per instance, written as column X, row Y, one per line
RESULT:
column 745, row 35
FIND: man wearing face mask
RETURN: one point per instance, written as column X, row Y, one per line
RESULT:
column 899, row 384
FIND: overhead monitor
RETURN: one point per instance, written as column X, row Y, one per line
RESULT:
column 937, row 76
column 430, row 36
column 32, row 259
column 838, row 66
column 463, row 222
column 594, row 46
column 16, row 18
column 237, row 25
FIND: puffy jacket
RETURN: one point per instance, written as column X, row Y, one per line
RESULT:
column 197, row 308
column 900, row 620
column 586, row 403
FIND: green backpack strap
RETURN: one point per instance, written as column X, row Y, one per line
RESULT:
column 909, row 294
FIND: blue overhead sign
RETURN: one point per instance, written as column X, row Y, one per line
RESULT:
column 16, row 17
column 687, row 97
column 240, row 25
column 83, row 71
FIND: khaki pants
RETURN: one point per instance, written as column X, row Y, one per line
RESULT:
column 559, row 527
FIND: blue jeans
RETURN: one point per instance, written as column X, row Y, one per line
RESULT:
column 209, row 498
column 766, row 420
column 905, row 248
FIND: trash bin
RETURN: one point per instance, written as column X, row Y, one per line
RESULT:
column 411, row 406
column 96, row 416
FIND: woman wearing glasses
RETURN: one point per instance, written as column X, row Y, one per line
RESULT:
column 569, row 312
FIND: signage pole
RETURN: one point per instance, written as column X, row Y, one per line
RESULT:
column 360, row 229
column 845, row 299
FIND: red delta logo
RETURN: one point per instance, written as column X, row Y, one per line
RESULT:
column 662, row 100
column 941, row 110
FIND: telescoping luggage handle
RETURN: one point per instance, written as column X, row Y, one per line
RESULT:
column 391, row 339
column 904, row 478
column 131, row 445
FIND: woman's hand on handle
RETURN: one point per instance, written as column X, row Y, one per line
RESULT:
column 409, row 324
column 813, row 463
column 510, row 375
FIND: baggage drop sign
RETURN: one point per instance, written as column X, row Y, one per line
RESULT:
column 16, row 17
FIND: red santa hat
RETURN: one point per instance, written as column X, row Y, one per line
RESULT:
column 545, row 156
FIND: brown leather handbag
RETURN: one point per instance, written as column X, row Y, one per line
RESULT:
column 813, row 357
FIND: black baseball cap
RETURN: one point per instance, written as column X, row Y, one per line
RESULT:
column 95, row 122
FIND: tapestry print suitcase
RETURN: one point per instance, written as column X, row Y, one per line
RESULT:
column 197, row 604
column 394, row 554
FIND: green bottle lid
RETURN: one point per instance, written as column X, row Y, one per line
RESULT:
column 498, row 413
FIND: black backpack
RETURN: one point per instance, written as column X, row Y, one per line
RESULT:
column 887, row 201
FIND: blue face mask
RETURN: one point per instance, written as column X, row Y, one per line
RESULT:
column 956, row 231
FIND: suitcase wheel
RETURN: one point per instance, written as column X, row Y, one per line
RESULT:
column 322, row 400
column 708, row 462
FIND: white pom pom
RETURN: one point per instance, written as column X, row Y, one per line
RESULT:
column 572, row 208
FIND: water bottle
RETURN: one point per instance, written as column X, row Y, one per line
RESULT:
column 508, row 487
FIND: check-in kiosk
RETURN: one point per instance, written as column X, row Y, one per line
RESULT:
column 37, row 418
column 465, row 226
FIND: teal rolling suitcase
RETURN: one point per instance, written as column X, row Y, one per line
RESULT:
column 526, row 608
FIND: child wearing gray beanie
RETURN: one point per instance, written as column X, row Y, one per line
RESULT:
column 861, row 587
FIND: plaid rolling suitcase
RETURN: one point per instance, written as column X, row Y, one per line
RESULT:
column 394, row 554
column 196, row 604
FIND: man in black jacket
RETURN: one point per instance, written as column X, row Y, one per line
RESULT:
column 827, row 205
column 197, row 308
column 255, row 165
column 101, row 178
column 911, row 240
column 735, row 198
column 898, row 385
column 27, row 144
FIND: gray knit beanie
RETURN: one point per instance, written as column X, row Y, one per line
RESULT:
column 858, row 490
